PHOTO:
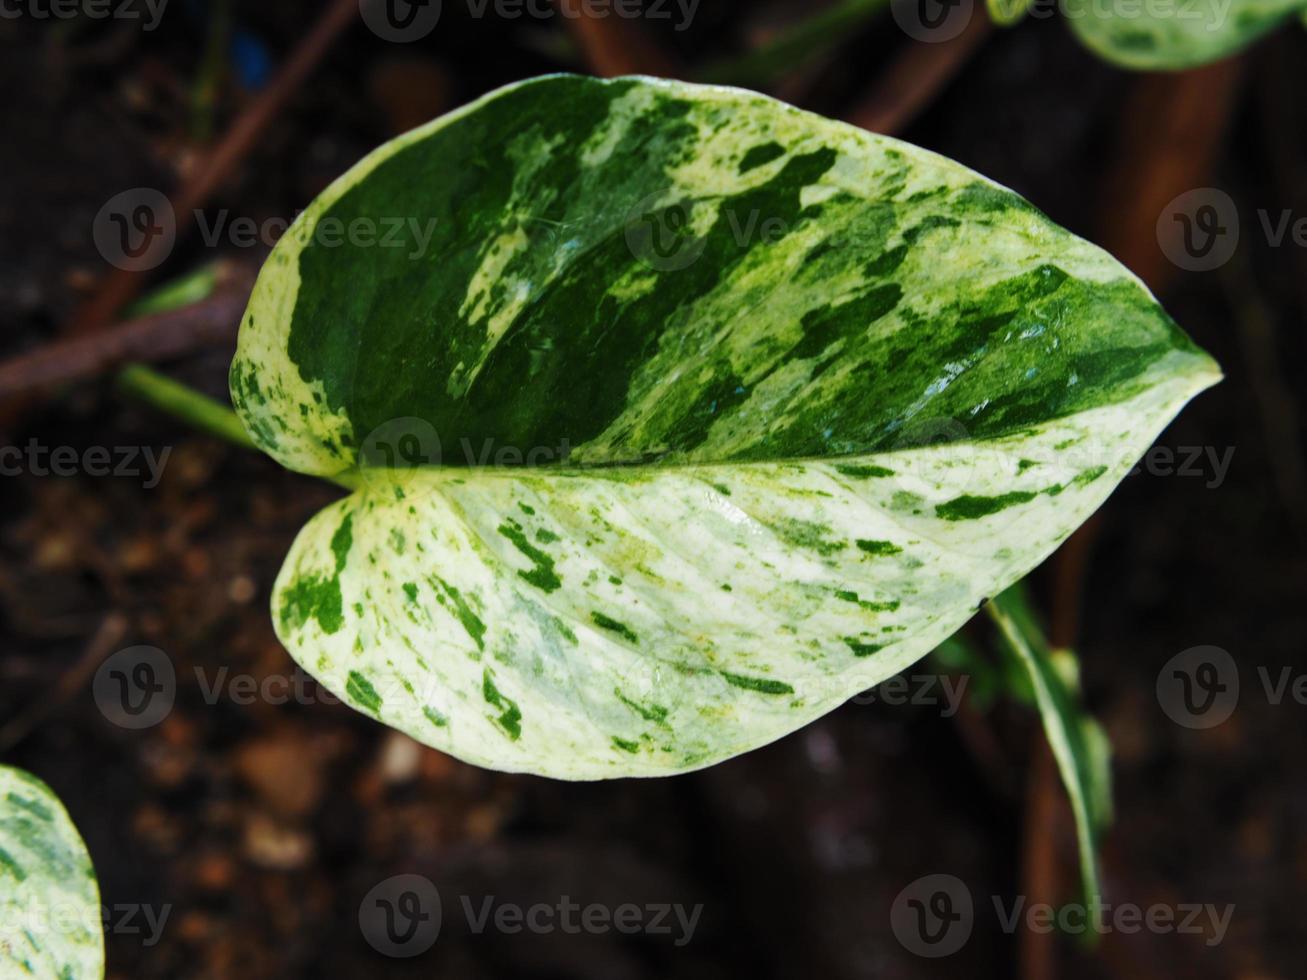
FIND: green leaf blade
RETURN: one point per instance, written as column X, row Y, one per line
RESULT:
column 731, row 602
column 49, row 898
column 744, row 518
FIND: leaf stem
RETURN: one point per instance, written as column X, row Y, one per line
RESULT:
column 1067, row 729
column 199, row 410
column 187, row 404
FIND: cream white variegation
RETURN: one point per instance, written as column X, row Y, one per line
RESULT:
column 49, row 900
column 800, row 398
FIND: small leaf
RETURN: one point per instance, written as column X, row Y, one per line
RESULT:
column 1173, row 36
column 49, row 900
column 1078, row 743
column 1008, row 12
column 780, row 402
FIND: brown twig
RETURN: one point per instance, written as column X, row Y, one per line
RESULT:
column 616, row 46
column 111, row 631
column 120, row 287
column 913, row 79
column 209, row 323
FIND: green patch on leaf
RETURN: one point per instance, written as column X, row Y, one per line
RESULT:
column 861, row 649
column 878, row 547
column 969, row 506
column 864, row 472
column 762, row 685
column 362, row 692
column 652, row 712
column 542, row 576
column 511, row 719
column 614, row 626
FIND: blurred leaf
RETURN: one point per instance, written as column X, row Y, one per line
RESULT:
column 190, row 288
column 1169, row 37
column 1079, row 744
column 959, row 656
column 1008, row 12
column 49, row 900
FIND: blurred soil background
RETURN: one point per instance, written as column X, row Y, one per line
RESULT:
column 261, row 826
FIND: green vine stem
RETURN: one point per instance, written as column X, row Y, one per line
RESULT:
column 199, row 410
column 187, row 404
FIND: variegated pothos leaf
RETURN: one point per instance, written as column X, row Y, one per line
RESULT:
column 801, row 398
column 49, row 900
column 1173, row 34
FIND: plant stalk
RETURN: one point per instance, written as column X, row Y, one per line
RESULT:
column 196, row 409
